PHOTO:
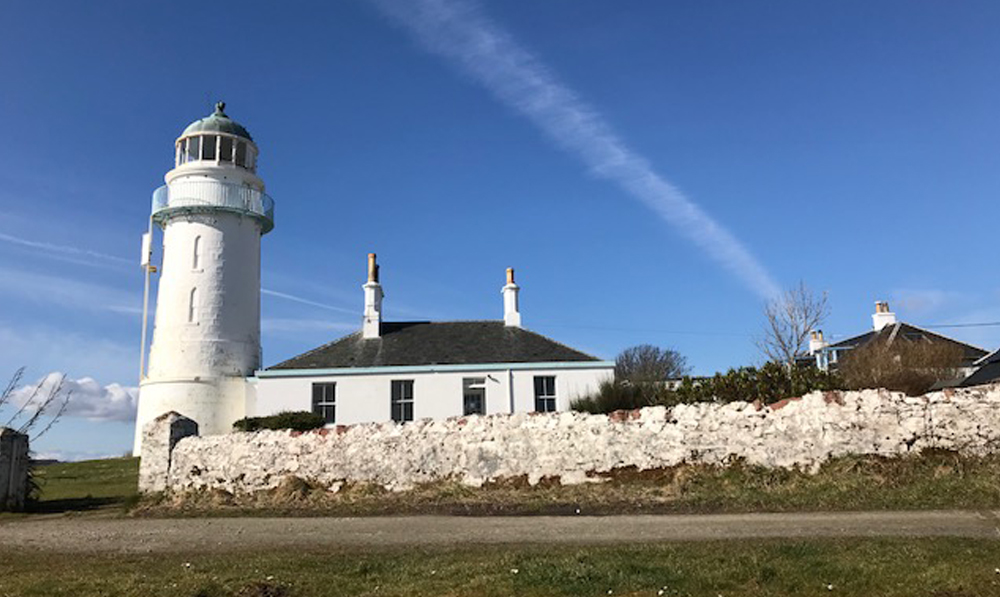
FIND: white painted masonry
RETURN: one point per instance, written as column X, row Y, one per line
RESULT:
column 573, row 447
column 363, row 394
column 206, row 337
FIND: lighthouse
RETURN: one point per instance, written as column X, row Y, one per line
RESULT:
column 206, row 334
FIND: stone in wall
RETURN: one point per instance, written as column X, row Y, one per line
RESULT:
column 14, row 464
column 159, row 439
column 574, row 446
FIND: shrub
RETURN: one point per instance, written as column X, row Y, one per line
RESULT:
column 294, row 420
column 614, row 395
column 769, row 384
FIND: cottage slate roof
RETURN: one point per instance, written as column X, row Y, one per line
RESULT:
column 906, row 331
column 437, row 343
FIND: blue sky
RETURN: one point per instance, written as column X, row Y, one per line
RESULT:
column 852, row 145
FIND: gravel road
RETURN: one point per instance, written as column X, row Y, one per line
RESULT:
column 68, row 534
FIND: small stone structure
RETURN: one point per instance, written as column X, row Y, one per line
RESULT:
column 160, row 436
column 14, row 463
column 574, row 447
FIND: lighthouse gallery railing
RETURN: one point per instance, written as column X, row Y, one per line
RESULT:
column 196, row 196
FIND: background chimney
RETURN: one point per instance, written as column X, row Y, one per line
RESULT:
column 372, row 322
column 816, row 342
column 882, row 316
column 511, row 315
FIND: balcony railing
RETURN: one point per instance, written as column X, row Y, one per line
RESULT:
column 204, row 195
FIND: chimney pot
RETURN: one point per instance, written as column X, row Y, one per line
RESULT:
column 371, row 322
column 511, row 312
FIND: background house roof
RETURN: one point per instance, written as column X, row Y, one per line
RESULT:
column 441, row 343
column 905, row 331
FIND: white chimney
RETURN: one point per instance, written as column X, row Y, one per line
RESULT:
column 882, row 316
column 511, row 315
column 816, row 342
column 372, row 322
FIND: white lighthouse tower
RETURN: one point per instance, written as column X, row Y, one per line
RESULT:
column 206, row 336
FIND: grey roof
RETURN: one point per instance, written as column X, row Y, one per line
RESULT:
column 217, row 122
column 439, row 343
column 906, row 331
column 988, row 373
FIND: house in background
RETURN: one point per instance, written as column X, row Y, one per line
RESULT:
column 403, row 371
column 886, row 328
column 987, row 371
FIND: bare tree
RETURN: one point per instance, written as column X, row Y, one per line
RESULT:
column 646, row 363
column 911, row 366
column 42, row 399
column 789, row 319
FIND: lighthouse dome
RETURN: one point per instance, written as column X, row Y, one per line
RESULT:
column 217, row 122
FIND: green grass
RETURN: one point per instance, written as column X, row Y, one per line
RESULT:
column 88, row 485
column 933, row 480
column 887, row 568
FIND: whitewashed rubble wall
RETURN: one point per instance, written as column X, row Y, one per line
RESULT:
column 796, row 433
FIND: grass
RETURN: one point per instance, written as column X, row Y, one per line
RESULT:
column 933, row 480
column 105, row 485
column 884, row 567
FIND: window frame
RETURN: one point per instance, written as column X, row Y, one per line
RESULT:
column 401, row 400
column 327, row 402
column 545, row 397
column 468, row 388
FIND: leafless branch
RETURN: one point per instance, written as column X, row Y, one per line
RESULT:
column 54, row 390
column 55, row 417
column 788, row 320
column 11, row 385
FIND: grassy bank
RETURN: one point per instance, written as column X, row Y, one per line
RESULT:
column 933, row 480
column 888, row 568
column 102, row 485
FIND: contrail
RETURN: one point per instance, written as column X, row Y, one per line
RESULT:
column 64, row 250
column 458, row 31
column 298, row 299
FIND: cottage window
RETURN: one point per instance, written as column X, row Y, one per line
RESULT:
column 474, row 396
column 402, row 400
column 324, row 401
column 545, row 393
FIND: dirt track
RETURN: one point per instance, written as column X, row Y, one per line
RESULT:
column 235, row 534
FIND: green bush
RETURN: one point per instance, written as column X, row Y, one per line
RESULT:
column 769, row 384
column 615, row 395
column 296, row 421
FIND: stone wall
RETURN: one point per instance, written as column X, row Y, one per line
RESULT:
column 14, row 463
column 570, row 446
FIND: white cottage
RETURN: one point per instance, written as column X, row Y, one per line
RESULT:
column 403, row 371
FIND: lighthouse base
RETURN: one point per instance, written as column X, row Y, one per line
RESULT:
column 214, row 403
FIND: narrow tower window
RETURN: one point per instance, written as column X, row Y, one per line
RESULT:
column 194, row 298
column 196, row 257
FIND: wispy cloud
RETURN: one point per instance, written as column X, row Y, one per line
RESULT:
column 277, row 325
column 67, row 292
column 87, row 398
column 69, row 253
column 305, row 301
column 461, row 33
